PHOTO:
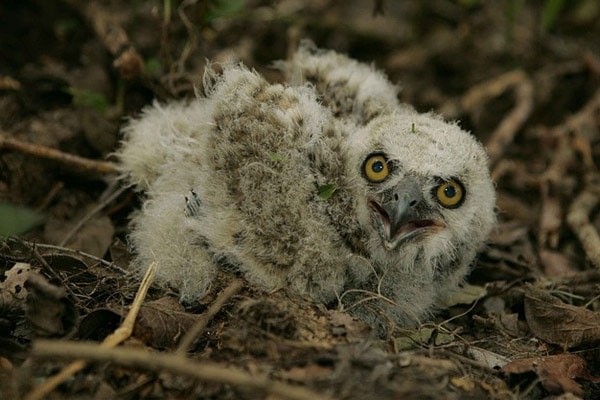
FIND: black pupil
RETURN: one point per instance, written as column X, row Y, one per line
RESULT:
column 377, row 166
column 450, row 191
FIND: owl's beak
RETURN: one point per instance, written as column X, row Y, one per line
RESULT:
column 401, row 216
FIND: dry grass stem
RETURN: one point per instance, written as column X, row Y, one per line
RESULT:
column 190, row 337
column 118, row 336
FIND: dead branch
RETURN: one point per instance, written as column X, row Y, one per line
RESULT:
column 80, row 163
column 585, row 121
column 579, row 130
column 579, row 221
column 160, row 362
column 118, row 336
column 510, row 125
column 190, row 337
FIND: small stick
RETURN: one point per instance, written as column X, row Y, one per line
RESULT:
column 68, row 250
column 81, row 163
column 578, row 220
column 190, row 337
column 516, row 118
column 157, row 362
column 118, row 336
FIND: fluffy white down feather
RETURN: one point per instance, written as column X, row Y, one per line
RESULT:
column 238, row 178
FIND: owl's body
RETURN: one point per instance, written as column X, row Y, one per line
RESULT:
column 286, row 184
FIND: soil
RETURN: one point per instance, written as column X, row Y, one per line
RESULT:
column 524, row 77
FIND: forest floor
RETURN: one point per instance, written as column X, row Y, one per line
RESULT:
column 521, row 76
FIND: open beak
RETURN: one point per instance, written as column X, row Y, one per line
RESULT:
column 402, row 215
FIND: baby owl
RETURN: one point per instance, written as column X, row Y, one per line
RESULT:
column 326, row 186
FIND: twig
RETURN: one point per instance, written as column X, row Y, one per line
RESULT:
column 191, row 336
column 579, row 126
column 510, row 125
column 123, row 332
column 80, row 163
column 79, row 253
column 584, row 121
column 207, row 371
column 578, row 220
column 52, row 271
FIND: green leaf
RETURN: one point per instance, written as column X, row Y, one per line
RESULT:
column 550, row 13
column 276, row 157
column 326, row 191
column 83, row 98
column 15, row 220
column 223, row 9
column 65, row 26
column 466, row 295
column 152, row 66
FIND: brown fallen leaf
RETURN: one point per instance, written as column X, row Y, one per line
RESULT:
column 48, row 309
column 559, row 323
column 557, row 373
column 93, row 237
column 98, row 324
column 163, row 322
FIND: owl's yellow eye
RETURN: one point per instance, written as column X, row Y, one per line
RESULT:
column 376, row 168
column 450, row 194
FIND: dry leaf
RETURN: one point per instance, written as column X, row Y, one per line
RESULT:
column 163, row 322
column 93, row 237
column 559, row 323
column 467, row 294
column 13, row 287
column 48, row 309
column 98, row 324
column 486, row 358
column 556, row 373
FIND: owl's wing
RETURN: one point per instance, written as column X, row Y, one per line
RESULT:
column 161, row 138
column 349, row 88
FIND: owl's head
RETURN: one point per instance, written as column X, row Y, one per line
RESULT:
column 425, row 194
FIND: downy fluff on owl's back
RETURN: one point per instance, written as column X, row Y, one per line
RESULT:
column 325, row 186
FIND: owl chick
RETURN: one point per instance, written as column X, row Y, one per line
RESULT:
column 325, row 187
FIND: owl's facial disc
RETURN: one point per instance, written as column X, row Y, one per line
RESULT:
column 402, row 214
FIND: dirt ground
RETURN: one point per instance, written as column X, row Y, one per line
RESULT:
column 523, row 76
